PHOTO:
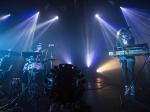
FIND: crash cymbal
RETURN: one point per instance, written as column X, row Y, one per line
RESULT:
column 10, row 53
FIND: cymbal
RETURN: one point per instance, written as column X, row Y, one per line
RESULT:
column 45, row 59
column 10, row 53
column 1, row 70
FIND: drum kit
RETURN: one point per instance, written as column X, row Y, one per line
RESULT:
column 34, row 63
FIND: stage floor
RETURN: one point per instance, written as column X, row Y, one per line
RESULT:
column 102, row 94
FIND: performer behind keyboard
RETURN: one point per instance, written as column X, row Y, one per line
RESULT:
column 125, row 38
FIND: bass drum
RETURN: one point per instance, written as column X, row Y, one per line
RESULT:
column 33, row 66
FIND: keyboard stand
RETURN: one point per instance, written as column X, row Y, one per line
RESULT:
column 135, row 79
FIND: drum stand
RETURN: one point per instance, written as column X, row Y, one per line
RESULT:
column 32, row 88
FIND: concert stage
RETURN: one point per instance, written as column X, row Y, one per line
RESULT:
column 61, row 55
column 102, row 94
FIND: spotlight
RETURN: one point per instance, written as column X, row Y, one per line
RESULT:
column 97, row 16
column 64, row 84
column 56, row 17
column 6, row 16
column 97, row 70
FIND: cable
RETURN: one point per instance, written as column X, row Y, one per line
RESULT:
column 98, row 88
column 16, row 108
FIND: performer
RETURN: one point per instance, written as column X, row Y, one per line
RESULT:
column 38, row 48
column 33, row 65
column 125, row 38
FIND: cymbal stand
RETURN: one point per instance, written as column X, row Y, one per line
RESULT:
column 46, row 66
column 2, row 75
column 1, row 59
column 51, row 61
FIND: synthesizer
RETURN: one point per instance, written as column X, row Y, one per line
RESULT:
column 128, row 53
column 135, row 50
column 143, row 46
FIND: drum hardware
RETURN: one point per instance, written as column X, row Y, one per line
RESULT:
column 31, row 59
column 5, row 54
column 51, row 56
column 45, row 60
column 33, row 66
column 16, row 98
column 4, row 73
column 2, row 80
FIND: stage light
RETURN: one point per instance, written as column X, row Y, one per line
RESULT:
column 118, row 33
column 97, row 70
column 56, row 17
column 88, row 65
column 140, row 22
column 97, row 16
column 88, row 59
column 108, row 32
column 111, row 64
column 6, row 16
column 3, row 17
column 23, row 33
column 64, row 84
column 68, row 61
